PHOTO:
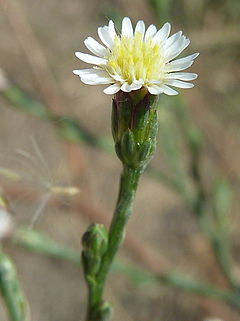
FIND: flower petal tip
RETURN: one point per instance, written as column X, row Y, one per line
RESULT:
column 75, row 72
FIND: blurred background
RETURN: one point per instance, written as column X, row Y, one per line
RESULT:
column 59, row 174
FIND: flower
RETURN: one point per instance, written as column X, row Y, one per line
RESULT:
column 137, row 59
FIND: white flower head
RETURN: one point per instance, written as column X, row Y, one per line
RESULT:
column 6, row 223
column 136, row 59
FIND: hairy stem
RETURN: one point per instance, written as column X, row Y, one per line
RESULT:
column 127, row 190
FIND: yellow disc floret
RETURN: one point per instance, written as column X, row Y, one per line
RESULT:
column 133, row 58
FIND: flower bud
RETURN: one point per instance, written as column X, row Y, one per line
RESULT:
column 95, row 242
column 134, row 127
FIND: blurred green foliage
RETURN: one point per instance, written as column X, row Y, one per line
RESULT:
column 162, row 9
column 41, row 244
column 11, row 291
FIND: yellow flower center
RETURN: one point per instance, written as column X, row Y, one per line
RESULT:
column 132, row 58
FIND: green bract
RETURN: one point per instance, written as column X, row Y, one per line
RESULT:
column 134, row 127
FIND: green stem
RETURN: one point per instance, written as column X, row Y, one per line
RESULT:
column 222, row 251
column 127, row 190
column 10, row 290
column 200, row 288
column 39, row 243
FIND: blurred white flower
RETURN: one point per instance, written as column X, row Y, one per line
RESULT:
column 136, row 59
column 6, row 223
column 3, row 81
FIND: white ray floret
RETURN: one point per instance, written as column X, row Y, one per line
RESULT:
column 150, row 32
column 140, row 27
column 137, row 58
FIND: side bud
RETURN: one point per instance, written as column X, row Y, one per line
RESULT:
column 134, row 127
column 95, row 242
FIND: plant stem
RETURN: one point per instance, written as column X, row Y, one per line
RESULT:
column 127, row 190
column 11, row 291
